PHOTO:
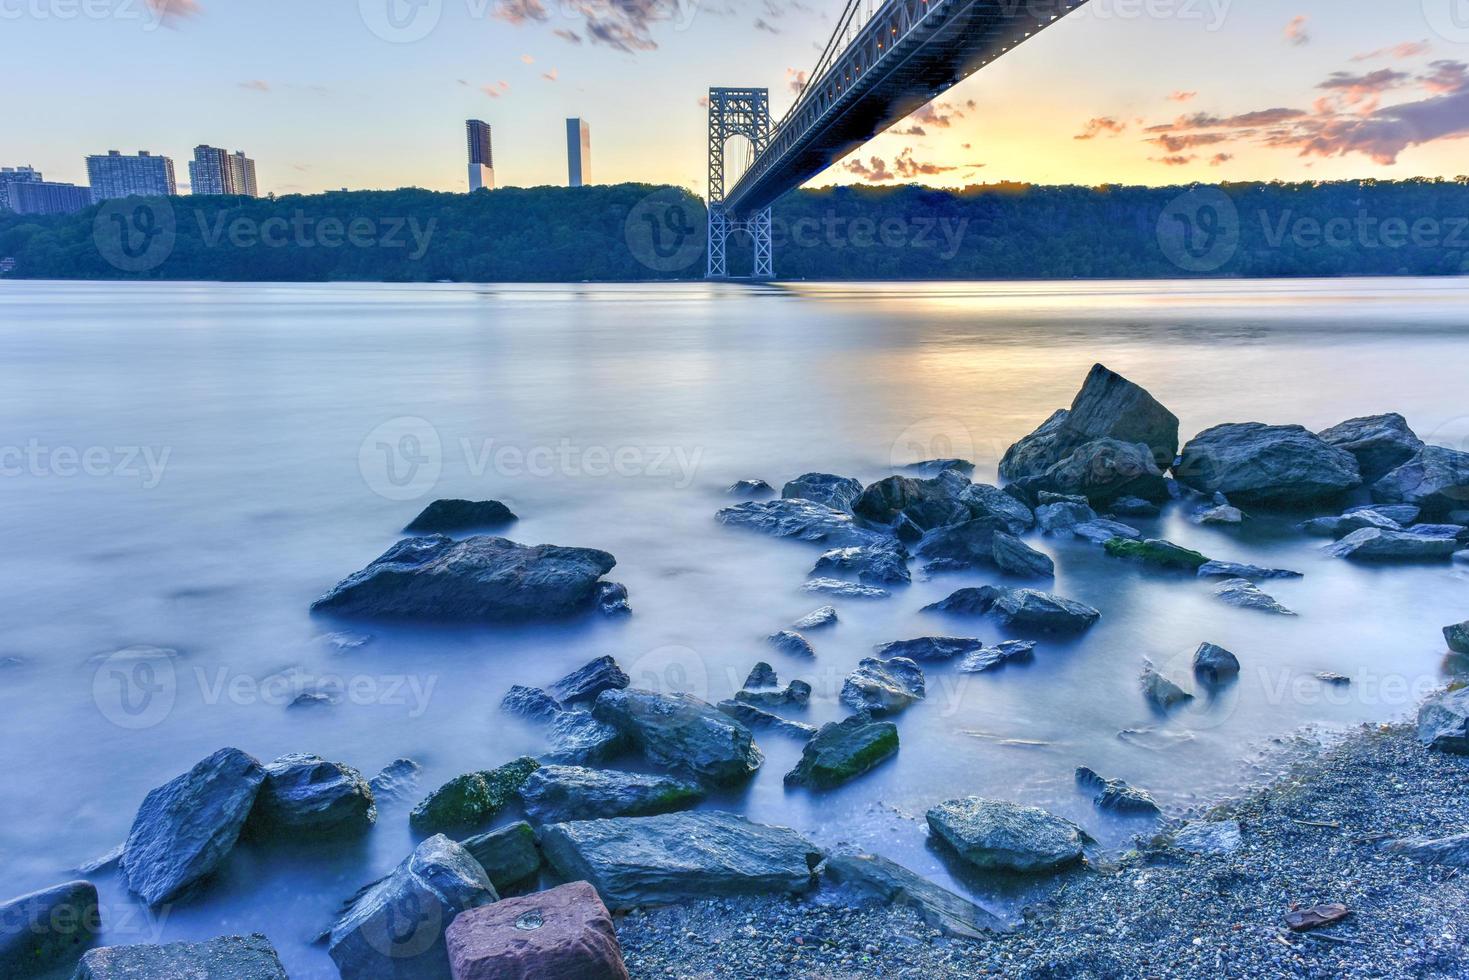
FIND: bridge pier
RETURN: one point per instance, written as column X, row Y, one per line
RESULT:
column 722, row 226
column 737, row 112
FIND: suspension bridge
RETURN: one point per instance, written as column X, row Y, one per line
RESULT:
column 884, row 60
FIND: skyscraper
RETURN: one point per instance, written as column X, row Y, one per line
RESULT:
column 578, row 153
column 481, row 158
column 242, row 173
column 15, row 175
column 217, row 171
column 145, row 175
column 47, row 197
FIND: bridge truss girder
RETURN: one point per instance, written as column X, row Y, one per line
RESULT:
column 737, row 112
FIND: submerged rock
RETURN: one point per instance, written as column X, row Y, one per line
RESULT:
column 816, row 618
column 530, row 702
column 306, row 794
column 753, row 717
column 836, row 492
column 563, row 932
column 1246, row 595
column 994, row 835
column 1156, row 551
column 934, row 467
column 1435, row 479
column 1443, row 722
column 477, row 579
column 1018, row 558
column 552, row 794
column 226, row 958
column 682, row 733
column 842, row 751
column 1375, row 544
column 796, row 693
column 1457, row 637
column 577, row 738
column 1214, row 663
column 1378, row 442
column 674, row 857
column 883, row 686
column 47, row 928
column 1063, row 515
column 1160, row 691
column 876, row 563
column 1234, row 569
column 1222, row 514
column 396, row 781
column 1135, row 507
column 962, row 545
column 749, row 488
column 1027, row 609
column 1114, row 794
column 470, row 799
column 447, row 516
column 926, row 503
column 1266, row 465
column 510, row 855
column 590, row 680
column 844, row 590
column 997, row 655
column 868, row 879
column 1100, row 531
column 929, row 647
column 803, row 520
column 761, row 675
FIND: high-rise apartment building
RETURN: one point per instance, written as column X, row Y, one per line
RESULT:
column 578, row 153
column 47, row 197
column 242, row 168
column 481, row 158
column 15, row 175
column 145, row 175
column 217, row 171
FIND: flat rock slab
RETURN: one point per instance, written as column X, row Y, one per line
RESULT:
column 555, row 794
column 1101, row 530
column 802, row 520
column 863, row 879
column 634, row 861
column 226, row 958
column 995, row 835
column 1023, row 609
column 929, row 647
column 447, row 516
column 755, row 717
column 1234, row 569
column 844, row 590
column 1246, row 595
column 478, row 579
column 1001, row 653
column 1156, row 551
column 47, row 928
column 564, row 933
column 1376, row 544
column 682, row 733
column 843, row 750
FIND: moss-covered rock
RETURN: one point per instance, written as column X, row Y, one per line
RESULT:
column 844, row 750
column 472, row 798
column 1156, row 551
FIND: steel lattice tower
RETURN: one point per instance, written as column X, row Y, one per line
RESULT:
column 736, row 112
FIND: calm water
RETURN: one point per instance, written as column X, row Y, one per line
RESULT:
column 237, row 469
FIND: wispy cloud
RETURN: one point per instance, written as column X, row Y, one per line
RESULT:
column 551, row 75
column 256, row 85
column 1098, row 125
column 1183, row 96
column 169, row 12
column 796, row 80
column 1295, row 31
column 1408, row 49
column 874, row 171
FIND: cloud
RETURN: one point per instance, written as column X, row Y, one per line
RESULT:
column 1220, row 158
column 702, row 102
column 528, row 59
column 1445, row 77
column 1188, row 141
column 170, row 11
column 1098, row 126
column 1408, row 49
column 761, row 24
column 490, row 90
column 875, row 171
column 1176, row 161
column 256, row 85
column 1295, row 31
column 910, row 131
column 1183, row 96
column 551, row 75
column 571, row 37
column 906, row 166
column 937, row 115
column 796, row 80
column 520, row 11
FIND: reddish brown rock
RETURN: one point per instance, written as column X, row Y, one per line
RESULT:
column 561, row 934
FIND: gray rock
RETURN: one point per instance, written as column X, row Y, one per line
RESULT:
column 1018, row 558
column 1100, row 531
column 753, row 717
column 1155, row 551
column 1101, row 471
column 682, row 733
column 1344, row 524
column 1379, row 442
column 675, row 857
column 816, row 618
column 48, row 928
column 1223, row 514
column 797, row 693
column 1214, row 663
column 1025, row 609
column 1246, row 595
column 477, row 579
column 994, row 835
column 509, row 856
column 1457, row 637
column 398, row 780
column 929, row 647
column 305, row 794
column 1457, row 533
column 927, row 503
column 1462, row 557
column 883, row 687
column 1063, row 515
column 836, row 492
column 843, row 750
column 1234, row 569
column 803, row 520
column 612, row 599
column 863, row 879
column 749, row 488
column 530, row 702
column 997, row 655
column 984, row 500
column 1207, row 837
column 874, row 564
column 1327, row 677
column 962, row 545
column 448, row 516
column 1161, row 692
column 1107, row 406
column 226, row 958
column 1450, row 852
column 1403, row 514
column 1375, row 544
column 1135, row 507
column 576, row 738
column 1266, row 465
column 471, row 799
column 553, row 794
column 1114, row 794
column 934, row 467
column 844, row 590
column 762, row 675
column 394, row 930
column 186, row 828
column 590, row 680
column 1443, row 722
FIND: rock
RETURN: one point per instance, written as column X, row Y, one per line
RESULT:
column 816, row 618
column 1451, row 851
column 883, row 686
column 508, row 855
column 752, row 717
column 530, row 702
column 868, row 879
column 305, row 794
column 843, row 750
column 1267, row 465
column 676, row 857
column 1208, row 837
column 1018, row 558
column 1107, row 406
column 1063, row 515
column 48, row 928
column 1315, row 917
column 1462, row 557
column 481, row 578
column 103, row 862
column 934, row 467
column 994, row 835
column 836, row 492
column 1159, row 690
column 984, row 500
column 1048, row 497
column 762, row 675
column 553, row 794
column 844, row 590
column 803, row 520
column 1378, row 442
column 564, row 932
column 226, row 958
column 397, row 780
column 1214, row 663
column 682, row 733
column 1402, row 514
column 1155, row 551
column 1100, row 471
column 612, row 599
column 796, row 693
column 1155, row 739
column 1027, row 609
column 448, row 516
column 186, row 828
column 1135, row 507
column 1223, row 514
column 929, row 647
column 1327, row 677
column 1352, row 520
column 1100, row 531
column 927, row 503
column 1232, row 569
column 576, row 738
column 749, row 488
column 1114, row 794
column 1246, row 595
column 1443, row 722
column 590, row 680
column 876, row 563
column 471, row 799
column 1457, row 637
column 997, row 655
column 395, row 927
column 311, row 699
column 1457, row 533
column 1375, row 544
column 962, row 545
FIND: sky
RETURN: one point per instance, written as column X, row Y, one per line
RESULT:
column 325, row 94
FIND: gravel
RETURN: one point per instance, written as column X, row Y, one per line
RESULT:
column 1310, row 837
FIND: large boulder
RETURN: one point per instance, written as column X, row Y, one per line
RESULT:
column 553, row 794
column 676, row 857
column 47, row 928
column 1435, row 479
column 1266, row 465
column 843, row 750
column 563, row 933
column 1108, row 406
column 1065, row 514
column 448, row 516
column 927, row 503
column 877, row 564
column 226, row 958
column 803, row 520
column 1457, row 637
column 858, row 880
column 186, row 827
column 1379, row 442
column 682, row 733
column 394, row 929
column 1018, row 558
column 477, row 579
column 984, row 500
column 305, row 794
column 962, row 545
column 883, row 686
column 510, row 855
column 471, row 799
column 1375, row 544
column 994, row 835
column 1023, row 609
column 590, row 680
column 1443, row 722
column 836, row 492
column 1215, row 664
column 1102, row 471
column 577, row 738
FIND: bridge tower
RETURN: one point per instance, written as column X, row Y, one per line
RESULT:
column 736, row 112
